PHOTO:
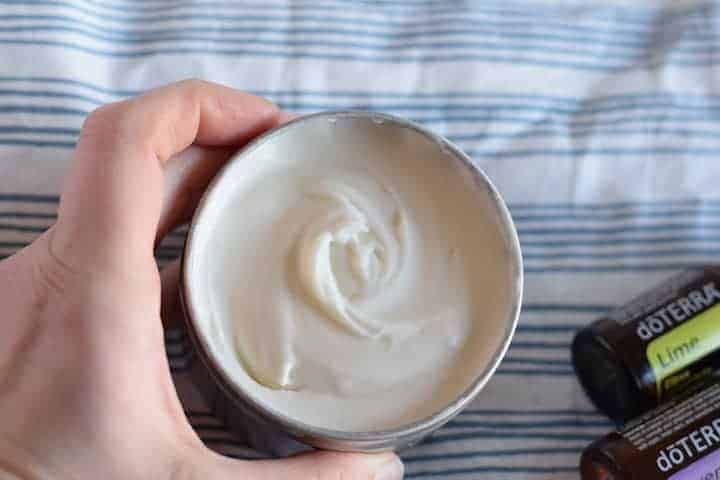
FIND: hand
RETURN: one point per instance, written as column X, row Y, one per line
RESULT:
column 85, row 388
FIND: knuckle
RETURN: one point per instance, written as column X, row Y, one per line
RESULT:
column 101, row 118
column 107, row 127
column 193, row 85
column 51, row 274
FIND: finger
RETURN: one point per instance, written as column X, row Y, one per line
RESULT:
column 113, row 198
column 316, row 465
column 170, row 308
column 187, row 175
column 286, row 117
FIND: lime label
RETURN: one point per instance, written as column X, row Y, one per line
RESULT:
column 671, row 352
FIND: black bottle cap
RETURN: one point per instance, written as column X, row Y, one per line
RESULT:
column 604, row 377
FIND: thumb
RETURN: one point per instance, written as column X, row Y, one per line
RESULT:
column 314, row 465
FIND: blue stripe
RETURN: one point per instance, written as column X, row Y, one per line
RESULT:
column 618, row 242
column 440, row 437
column 70, row 82
column 490, row 469
column 382, row 41
column 569, row 31
column 623, row 255
column 660, row 267
column 699, row 211
column 566, row 328
column 497, row 117
column 599, row 152
column 616, row 205
column 33, row 109
column 570, row 308
column 39, row 130
column 671, row 97
column 582, row 50
column 578, row 423
column 566, row 131
column 319, row 7
column 533, row 412
column 528, row 372
column 407, row 7
column 609, row 105
column 41, row 216
column 638, row 14
column 561, row 346
column 547, row 362
column 487, row 136
column 593, row 230
column 444, row 457
column 679, row 99
column 648, row 20
column 49, row 94
column 22, row 228
column 21, row 142
column 501, row 59
column 28, row 197
column 500, row 117
column 17, row 245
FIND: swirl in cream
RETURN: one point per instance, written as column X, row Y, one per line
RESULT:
column 346, row 256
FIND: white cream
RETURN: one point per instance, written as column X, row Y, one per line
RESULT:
column 357, row 281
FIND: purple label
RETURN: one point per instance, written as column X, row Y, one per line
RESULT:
column 707, row 468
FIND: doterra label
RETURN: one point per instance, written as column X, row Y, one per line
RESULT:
column 655, row 347
column 707, row 468
column 679, row 441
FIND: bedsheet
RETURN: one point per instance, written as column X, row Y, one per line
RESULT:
column 598, row 122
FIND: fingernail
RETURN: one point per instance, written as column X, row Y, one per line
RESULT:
column 391, row 470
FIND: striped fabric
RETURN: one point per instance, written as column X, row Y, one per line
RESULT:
column 599, row 125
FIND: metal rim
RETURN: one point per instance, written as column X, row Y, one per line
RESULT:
column 381, row 438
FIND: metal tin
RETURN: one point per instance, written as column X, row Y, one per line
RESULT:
column 279, row 434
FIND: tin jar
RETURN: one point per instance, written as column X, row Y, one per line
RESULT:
column 275, row 432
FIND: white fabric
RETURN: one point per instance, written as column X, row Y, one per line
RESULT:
column 597, row 123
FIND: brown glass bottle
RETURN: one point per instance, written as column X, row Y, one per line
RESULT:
column 679, row 440
column 654, row 348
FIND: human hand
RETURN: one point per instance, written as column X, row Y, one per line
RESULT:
column 85, row 387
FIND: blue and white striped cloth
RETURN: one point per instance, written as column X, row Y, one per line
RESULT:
column 599, row 125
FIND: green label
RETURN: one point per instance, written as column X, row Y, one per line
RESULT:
column 680, row 347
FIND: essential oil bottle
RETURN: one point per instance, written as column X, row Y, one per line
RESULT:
column 679, row 440
column 654, row 348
